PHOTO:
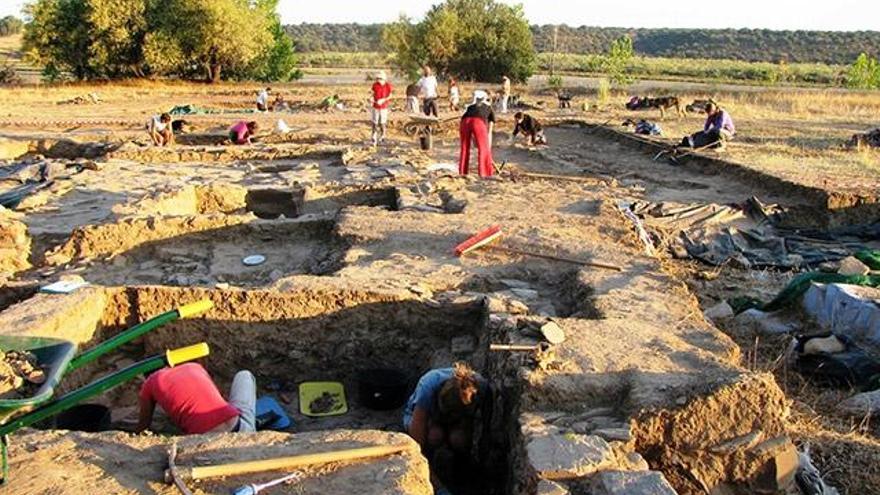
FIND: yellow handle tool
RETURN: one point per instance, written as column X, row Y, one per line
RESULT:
column 194, row 309
column 186, row 354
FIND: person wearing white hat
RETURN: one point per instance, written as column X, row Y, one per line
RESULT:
column 381, row 107
column 477, row 123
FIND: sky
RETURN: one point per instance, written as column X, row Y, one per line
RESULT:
column 837, row 15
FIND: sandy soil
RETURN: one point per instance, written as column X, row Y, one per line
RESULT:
column 638, row 339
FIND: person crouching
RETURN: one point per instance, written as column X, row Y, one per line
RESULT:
column 442, row 414
column 243, row 132
column 477, row 123
column 191, row 399
column 529, row 127
column 161, row 130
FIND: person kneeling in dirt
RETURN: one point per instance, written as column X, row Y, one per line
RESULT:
column 189, row 397
column 529, row 127
column 160, row 129
column 263, row 100
column 440, row 415
column 243, row 132
column 718, row 130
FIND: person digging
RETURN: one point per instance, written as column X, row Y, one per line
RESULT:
column 529, row 127
column 191, row 399
column 243, row 132
column 440, row 416
column 477, row 124
column 718, row 130
column 160, row 130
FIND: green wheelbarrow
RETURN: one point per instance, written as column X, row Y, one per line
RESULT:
column 56, row 357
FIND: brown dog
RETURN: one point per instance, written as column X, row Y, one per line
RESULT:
column 665, row 103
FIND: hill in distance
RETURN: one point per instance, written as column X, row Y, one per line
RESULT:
column 754, row 45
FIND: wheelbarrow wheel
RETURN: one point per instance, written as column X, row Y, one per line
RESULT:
column 411, row 128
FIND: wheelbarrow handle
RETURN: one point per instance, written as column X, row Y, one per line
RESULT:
column 103, row 384
column 169, row 358
column 186, row 311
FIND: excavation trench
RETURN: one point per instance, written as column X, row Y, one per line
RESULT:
column 305, row 335
column 202, row 235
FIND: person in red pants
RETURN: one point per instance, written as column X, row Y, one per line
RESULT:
column 477, row 123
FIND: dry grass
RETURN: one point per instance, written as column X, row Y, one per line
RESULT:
column 796, row 134
column 846, row 450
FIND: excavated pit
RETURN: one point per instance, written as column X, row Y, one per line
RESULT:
column 201, row 236
column 323, row 334
column 209, row 257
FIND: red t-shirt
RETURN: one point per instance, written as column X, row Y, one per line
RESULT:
column 381, row 91
column 188, row 395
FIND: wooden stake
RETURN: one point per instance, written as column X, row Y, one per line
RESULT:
column 568, row 178
column 514, row 348
column 522, row 252
column 287, row 463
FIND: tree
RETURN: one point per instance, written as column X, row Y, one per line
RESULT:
column 124, row 38
column 207, row 35
column 864, row 73
column 620, row 54
column 89, row 38
column 278, row 61
column 116, row 36
column 56, row 37
column 473, row 39
column 10, row 25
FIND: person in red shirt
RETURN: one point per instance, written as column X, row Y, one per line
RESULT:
column 381, row 102
column 188, row 395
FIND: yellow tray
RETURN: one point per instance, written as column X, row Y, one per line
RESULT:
column 309, row 391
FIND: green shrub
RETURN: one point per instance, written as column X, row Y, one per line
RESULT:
column 555, row 83
column 864, row 73
column 603, row 93
column 480, row 40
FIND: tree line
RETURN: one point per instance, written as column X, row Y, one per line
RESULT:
column 211, row 39
column 754, row 45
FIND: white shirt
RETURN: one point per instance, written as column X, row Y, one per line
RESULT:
column 263, row 98
column 428, row 86
column 453, row 92
column 157, row 125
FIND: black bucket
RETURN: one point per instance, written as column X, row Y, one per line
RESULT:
column 426, row 141
column 84, row 417
column 382, row 389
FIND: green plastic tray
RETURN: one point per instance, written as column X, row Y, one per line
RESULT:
column 309, row 391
